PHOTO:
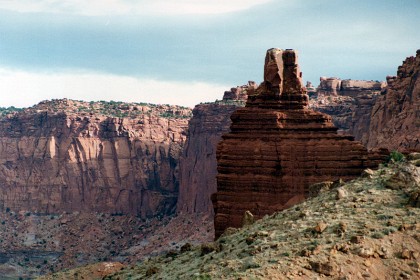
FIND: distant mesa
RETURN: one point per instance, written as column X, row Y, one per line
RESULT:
column 277, row 147
column 335, row 86
column 240, row 92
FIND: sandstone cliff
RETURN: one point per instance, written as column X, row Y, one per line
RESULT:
column 198, row 167
column 349, row 102
column 278, row 147
column 351, row 114
column 334, row 86
column 66, row 155
column 395, row 122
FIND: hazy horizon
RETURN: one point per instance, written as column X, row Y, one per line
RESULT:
column 187, row 52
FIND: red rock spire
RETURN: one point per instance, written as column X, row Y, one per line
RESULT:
column 282, row 87
column 278, row 147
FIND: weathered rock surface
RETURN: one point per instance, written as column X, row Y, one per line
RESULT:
column 395, row 120
column 334, row 86
column 349, row 102
column 66, row 155
column 240, row 92
column 198, row 167
column 277, row 147
column 351, row 114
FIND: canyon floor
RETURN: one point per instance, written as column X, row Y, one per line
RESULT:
column 33, row 244
column 368, row 228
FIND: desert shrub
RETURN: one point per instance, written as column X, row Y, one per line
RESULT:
column 209, row 247
column 186, row 247
column 378, row 235
column 396, row 156
column 151, row 270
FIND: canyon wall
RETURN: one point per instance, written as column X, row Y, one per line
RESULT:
column 349, row 102
column 351, row 114
column 66, row 155
column 395, row 119
column 198, row 167
column 198, row 161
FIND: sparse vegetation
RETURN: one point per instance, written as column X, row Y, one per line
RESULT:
column 9, row 110
column 114, row 109
column 396, row 156
column 284, row 244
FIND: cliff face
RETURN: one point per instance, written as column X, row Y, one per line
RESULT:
column 198, row 167
column 278, row 147
column 67, row 155
column 334, row 86
column 351, row 114
column 395, row 120
column 349, row 102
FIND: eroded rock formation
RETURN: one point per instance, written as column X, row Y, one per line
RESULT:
column 395, row 120
column 69, row 156
column 277, row 147
column 198, row 167
column 240, row 92
column 334, row 86
column 351, row 115
column 349, row 102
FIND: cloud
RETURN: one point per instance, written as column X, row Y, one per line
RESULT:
column 124, row 7
column 24, row 89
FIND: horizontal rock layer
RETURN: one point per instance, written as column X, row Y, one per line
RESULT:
column 65, row 161
column 198, row 167
column 334, row 86
column 278, row 147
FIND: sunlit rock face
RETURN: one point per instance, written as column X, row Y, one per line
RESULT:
column 277, row 147
column 55, row 160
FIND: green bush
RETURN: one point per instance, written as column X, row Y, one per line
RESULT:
column 396, row 156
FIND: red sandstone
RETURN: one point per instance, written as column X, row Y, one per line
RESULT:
column 278, row 147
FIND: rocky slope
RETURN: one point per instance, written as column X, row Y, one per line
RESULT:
column 277, row 147
column 366, row 229
column 111, row 157
column 395, row 120
column 32, row 244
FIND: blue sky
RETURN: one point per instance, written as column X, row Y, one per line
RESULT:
column 184, row 52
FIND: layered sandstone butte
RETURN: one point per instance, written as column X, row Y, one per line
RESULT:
column 395, row 120
column 66, row 155
column 277, row 147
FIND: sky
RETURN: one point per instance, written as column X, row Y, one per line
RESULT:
column 184, row 52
